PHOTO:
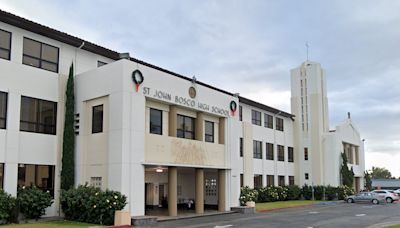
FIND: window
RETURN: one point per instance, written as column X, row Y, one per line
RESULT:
column 3, row 110
column 40, row 55
column 240, row 113
column 268, row 121
column 281, row 180
column 306, row 176
column 38, row 116
column 281, row 153
column 306, row 154
column 5, row 45
column 41, row 176
column 241, row 180
column 1, row 175
column 155, row 121
column 97, row 119
column 96, row 182
column 241, row 147
column 185, row 127
column 279, row 124
column 257, row 149
column 291, row 180
column 290, row 154
column 258, row 181
column 256, row 117
column 270, row 180
column 100, row 63
column 269, row 151
column 209, row 131
column 210, row 187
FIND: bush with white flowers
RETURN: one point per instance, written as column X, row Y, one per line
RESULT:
column 247, row 195
column 32, row 202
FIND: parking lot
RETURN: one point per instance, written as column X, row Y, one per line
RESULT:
column 320, row 215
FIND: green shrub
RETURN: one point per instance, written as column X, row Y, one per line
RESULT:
column 7, row 206
column 330, row 193
column 306, row 192
column 282, row 193
column 319, row 192
column 33, row 202
column 344, row 191
column 247, row 194
column 91, row 205
column 293, row 192
column 268, row 194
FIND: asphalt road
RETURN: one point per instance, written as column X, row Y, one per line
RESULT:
column 322, row 215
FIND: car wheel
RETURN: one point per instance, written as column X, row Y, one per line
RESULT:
column 389, row 200
column 350, row 200
column 375, row 201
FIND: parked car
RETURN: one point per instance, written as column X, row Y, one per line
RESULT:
column 390, row 195
column 397, row 191
column 365, row 197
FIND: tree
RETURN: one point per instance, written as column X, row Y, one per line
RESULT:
column 368, row 181
column 68, row 152
column 380, row 173
column 346, row 173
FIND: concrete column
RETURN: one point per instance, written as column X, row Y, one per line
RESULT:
column 221, row 130
column 248, row 173
column 221, row 190
column 199, row 128
column 172, row 191
column 199, row 191
column 172, row 121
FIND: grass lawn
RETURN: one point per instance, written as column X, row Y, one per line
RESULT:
column 52, row 224
column 393, row 226
column 283, row 204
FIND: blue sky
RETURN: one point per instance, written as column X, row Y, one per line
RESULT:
column 250, row 46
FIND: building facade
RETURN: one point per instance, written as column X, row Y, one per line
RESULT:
column 162, row 139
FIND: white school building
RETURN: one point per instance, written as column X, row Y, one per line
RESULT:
column 164, row 140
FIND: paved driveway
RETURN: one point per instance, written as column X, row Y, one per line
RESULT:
column 322, row 215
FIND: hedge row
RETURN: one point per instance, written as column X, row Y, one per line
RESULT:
column 278, row 193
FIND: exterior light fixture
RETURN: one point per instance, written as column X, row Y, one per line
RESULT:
column 159, row 170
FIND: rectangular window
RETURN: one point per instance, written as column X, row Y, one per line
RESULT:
column 270, row 180
column 3, row 110
column 257, row 149
column 1, row 175
column 306, row 154
column 281, row 153
column 269, row 151
column 185, row 127
column 258, row 181
column 96, row 182
column 241, row 180
column 5, row 44
column 256, row 117
column 240, row 113
column 209, row 131
column 281, row 181
column 268, row 121
column 39, row 116
column 241, row 147
column 306, row 176
column 40, row 55
column 41, row 176
column 290, row 154
column 100, row 63
column 97, row 119
column 291, row 180
column 156, row 121
column 279, row 124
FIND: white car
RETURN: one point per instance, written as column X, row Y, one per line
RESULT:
column 397, row 191
column 389, row 195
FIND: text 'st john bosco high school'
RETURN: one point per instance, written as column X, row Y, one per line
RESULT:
column 158, row 137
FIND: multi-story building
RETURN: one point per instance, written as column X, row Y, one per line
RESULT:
column 160, row 138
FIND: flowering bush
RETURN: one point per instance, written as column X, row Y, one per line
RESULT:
column 247, row 194
column 91, row 205
column 33, row 202
column 7, row 206
column 344, row 191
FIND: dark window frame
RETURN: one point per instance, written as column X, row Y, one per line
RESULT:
column 305, row 154
column 270, row 180
column 257, row 153
column 9, row 48
column 40, row 59
column 291, row 181
column 5, row 110
column 254, row 119
column 183, row 131
column 37, row 124
column 281, row 153
column 258, row 180
column 96, row 129
column 290, row 154
column 209, row 137
column 279, row 124
column 241, row 147
column 281, row 181
column 240, row 113
column 268, row 121
column 306, row 176
column 36, row 166
column 2, row 175
column 158, row 130
column 269, row 151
